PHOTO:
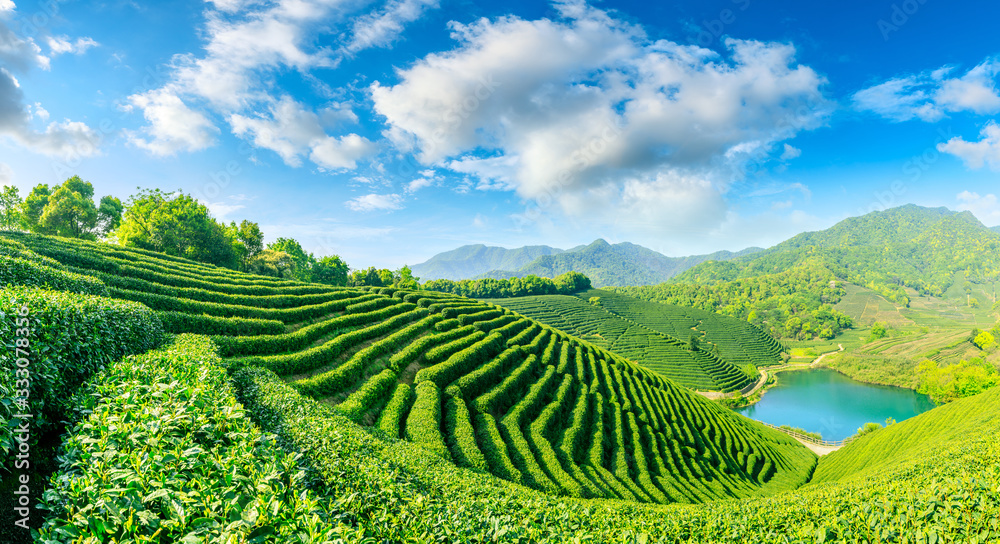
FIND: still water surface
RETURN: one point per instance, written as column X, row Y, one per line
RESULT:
column 827, row 402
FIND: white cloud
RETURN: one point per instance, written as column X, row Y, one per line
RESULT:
column 6, row 174
column 931, row 95
column 381, row 28
column 977, row 154
column 419, row 183
column 669, row 201
column 62, row 44
column 17, row 53
column 790, row 153
column 173, row 125
column 63, row 139
column 40, row 112
column 373, row 202
column 230, row 6
column 289, row 131
column 7, row 5
column 341, row 153
column 985, row 208
column 248, row 44
column 586, row 112
column 292, row 131
column 221, row 210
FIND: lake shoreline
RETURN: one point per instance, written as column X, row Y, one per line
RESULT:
column 831, row 403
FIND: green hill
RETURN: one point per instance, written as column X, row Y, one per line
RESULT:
column 475, row 383
column 474, row 260
column 908, row 246
column 315, row 414
column 657, row 336
column 790, row 289
column 604, row 263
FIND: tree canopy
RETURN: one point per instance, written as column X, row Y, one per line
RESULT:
column 530, row 285
column 10, row 208
column 176, row 224
column 67, row 210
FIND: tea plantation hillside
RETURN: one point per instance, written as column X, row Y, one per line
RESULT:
column 305, row 413
column 477, row 384
column 659, row 336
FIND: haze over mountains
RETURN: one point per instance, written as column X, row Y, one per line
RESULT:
column 605, row 264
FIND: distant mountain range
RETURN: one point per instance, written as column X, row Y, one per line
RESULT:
column 605, row 264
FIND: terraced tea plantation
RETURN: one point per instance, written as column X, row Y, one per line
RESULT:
column 657, row 336
column 475, row 383
column 305, row 413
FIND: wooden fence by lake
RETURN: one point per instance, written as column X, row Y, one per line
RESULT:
column 810, row 439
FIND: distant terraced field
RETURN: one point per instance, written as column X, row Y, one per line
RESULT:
column 656, row 336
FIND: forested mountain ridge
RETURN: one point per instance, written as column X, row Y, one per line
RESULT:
column 789, row 289
column 910, row 246
column 613, row 264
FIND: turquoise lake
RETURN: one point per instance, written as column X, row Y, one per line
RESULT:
column 827, row 402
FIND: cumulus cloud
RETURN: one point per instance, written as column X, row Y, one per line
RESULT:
column 7, row 5
column 247, row 44
column 985, row 152
column 419, row 184
column 173, row 125
column 292, row 131
column 341, row 153
column 586, row 112
column 381, row 28
column 985, row 208
column 931, row 95
column 62, row 139
column 375, row 202
column 63, row 44
column 19, row 53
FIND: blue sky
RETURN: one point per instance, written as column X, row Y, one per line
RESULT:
column 386, row 132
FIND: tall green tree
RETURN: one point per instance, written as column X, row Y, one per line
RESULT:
column 32, row 208
column 10, row 208
column 372, row 276
column 175, row 224
column 70, row 210
column 331, row 270
column 247, row 240
column 302, row 262
column 109, row 215
column 405, row 279
column 269, row 262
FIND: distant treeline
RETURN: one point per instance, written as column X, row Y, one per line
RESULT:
column 530, row 285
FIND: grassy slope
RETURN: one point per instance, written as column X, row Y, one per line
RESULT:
column 470, row 381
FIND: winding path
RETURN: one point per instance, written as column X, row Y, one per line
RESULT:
column 815, row 363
